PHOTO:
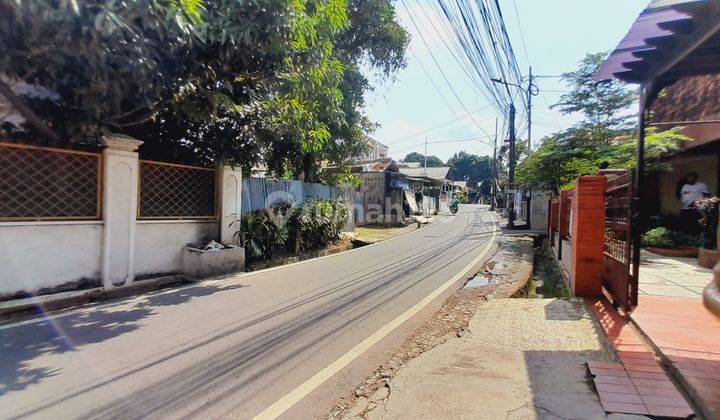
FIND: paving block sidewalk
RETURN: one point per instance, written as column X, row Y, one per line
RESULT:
column 522, row 358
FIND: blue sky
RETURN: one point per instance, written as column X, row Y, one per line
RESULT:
column 557, row 33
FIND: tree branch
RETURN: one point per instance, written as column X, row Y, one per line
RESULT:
column 27, row 113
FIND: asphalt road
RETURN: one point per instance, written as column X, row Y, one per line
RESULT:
column 232, row 347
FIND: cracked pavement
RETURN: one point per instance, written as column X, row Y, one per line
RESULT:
column 519, row 359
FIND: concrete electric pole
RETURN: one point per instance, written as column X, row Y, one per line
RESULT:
column 511, row 171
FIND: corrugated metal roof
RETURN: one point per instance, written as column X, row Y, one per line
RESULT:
column 440, row 172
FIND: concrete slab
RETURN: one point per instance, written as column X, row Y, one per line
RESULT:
column 523, row 358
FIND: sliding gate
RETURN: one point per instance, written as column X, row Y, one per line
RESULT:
column 619, row 279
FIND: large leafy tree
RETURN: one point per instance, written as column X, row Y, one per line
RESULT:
column 473, row 168
column 432, row 161
column 277, row 81
column 603, row 103
column 601, row 140
column 106, row 63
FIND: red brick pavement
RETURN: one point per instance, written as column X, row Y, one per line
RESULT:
column 637, row 385
column 688, row 336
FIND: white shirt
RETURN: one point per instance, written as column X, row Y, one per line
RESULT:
column 691, row 192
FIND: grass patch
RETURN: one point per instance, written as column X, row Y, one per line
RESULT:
column 375, row 233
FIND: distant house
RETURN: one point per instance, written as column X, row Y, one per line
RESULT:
column 440, row 179
column 440, row 173
column 375, row 151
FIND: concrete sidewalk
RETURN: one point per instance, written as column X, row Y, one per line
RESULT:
column 522, row 358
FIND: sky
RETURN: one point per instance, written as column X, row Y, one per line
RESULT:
column 557, row 34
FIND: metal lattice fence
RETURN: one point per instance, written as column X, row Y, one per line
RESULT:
column 171, row 191
column 618, row 277
column 41, row 183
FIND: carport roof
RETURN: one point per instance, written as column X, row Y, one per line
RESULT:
column 670, row 39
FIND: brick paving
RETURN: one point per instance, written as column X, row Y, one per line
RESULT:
column 638, row 384
column 688, row 336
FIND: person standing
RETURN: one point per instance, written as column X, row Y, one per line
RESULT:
column 690, row 192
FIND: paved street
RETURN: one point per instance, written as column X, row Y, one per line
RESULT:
column 233, row 347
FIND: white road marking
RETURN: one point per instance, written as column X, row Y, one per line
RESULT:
column 294, row 396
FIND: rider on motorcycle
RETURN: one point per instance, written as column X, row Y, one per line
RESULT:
column 454, row 203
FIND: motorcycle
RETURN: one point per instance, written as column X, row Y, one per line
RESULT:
column 454, row 207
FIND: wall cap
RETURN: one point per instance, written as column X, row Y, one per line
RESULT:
column 121, row 142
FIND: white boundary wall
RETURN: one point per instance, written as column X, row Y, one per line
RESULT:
column 113, row 251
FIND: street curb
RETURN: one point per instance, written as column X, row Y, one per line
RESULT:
column 304, row 256
column 521, row 280
column 76, row 298
column 9, row 310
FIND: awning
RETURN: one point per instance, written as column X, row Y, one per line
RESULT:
column 410, row 198
column 670, row 39
column 426, row 180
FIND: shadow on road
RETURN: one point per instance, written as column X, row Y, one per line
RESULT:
column 21, row 345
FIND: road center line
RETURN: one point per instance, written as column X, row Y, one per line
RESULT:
column 294, row 396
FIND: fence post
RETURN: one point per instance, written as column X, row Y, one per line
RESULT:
column 588, row 235
column 229, row 202
column 120, row 202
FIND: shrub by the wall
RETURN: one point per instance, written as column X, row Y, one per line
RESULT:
column 317, row 223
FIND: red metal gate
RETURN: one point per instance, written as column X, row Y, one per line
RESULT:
column 618, row 277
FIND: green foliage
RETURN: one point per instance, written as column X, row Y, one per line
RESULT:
column 108, row 62
column 602, row 102
column 239, row 82
column 316, row 223
column 261, row 236
column 461, row 195
column 564, row 156
column 600, row 141
column 473, row 168
column 661, row 237
column 432, row 161
column 348, row 181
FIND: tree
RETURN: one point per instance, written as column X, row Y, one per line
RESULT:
column 472, row 168
column 601, row 102
column 432, row 161
column 602, row 140
column 277, row 81
column 108, row 63
column 564, row 156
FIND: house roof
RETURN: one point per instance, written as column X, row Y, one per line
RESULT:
column 440, row 172
column 670, row 39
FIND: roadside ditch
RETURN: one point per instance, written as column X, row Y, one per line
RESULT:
column 507, row 273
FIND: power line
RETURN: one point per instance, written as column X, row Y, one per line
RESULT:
column 422, row 38
column 433, row 82
column 522, row 37
column 444, row 142
column 437, row 126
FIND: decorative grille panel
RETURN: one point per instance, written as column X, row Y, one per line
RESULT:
column 40, row 183
column 169, row 191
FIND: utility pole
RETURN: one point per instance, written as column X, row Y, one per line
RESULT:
column 529, row 141
column 529, row 107
column 493, row 186
column 511, row 174
column 425, row 155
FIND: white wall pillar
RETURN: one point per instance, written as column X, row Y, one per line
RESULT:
column 229, row 202
column 120, row 201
